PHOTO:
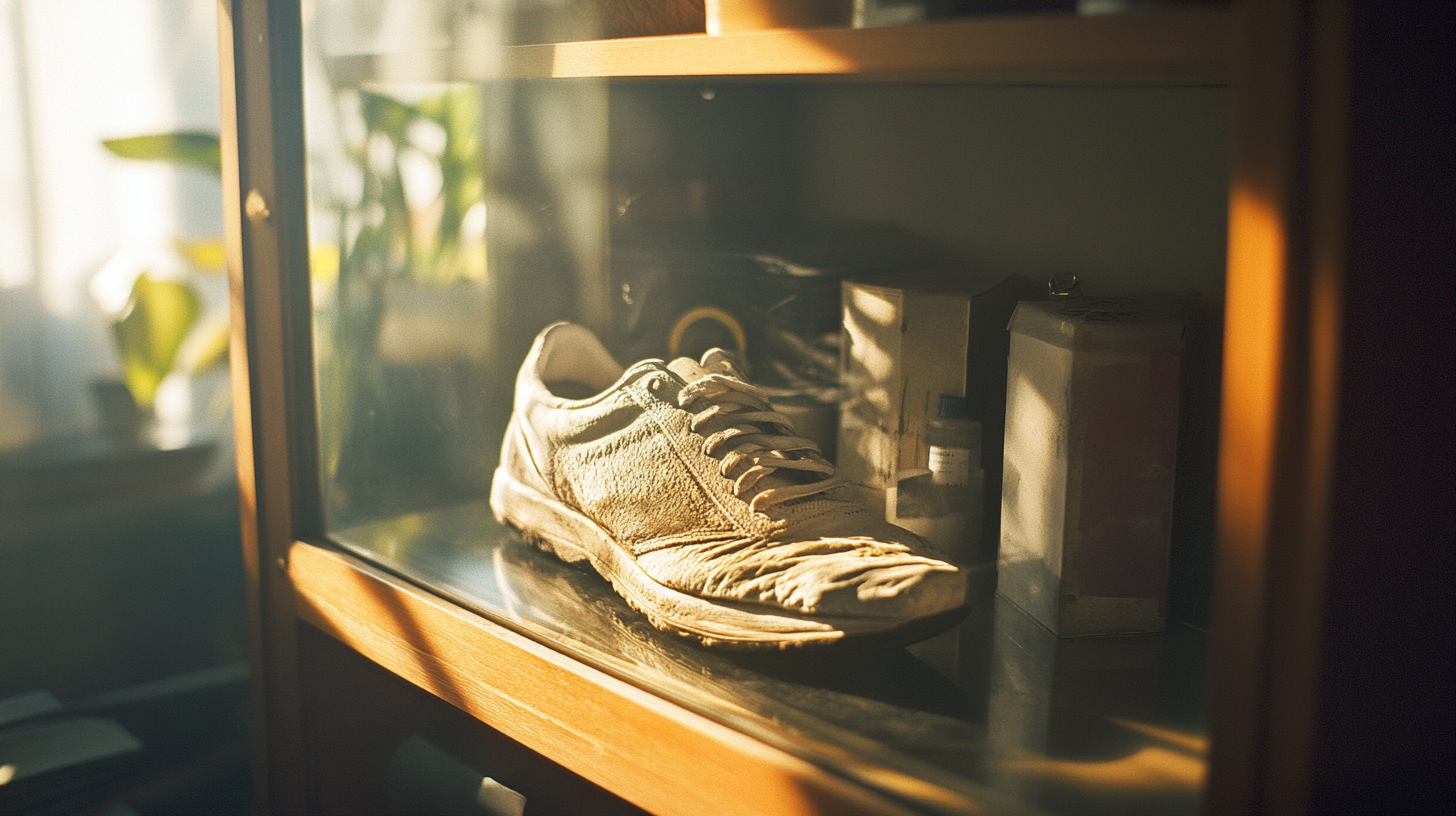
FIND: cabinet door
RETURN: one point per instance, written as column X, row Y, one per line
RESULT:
column 475, row 172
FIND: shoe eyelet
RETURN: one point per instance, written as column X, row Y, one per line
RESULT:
column 654, row 384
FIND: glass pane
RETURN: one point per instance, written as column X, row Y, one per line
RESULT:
column 410, row 185
column 458, row 208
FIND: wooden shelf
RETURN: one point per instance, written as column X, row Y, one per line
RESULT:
column 1185, row 46
column 643, row 748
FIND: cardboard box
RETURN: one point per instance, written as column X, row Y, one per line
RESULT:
column 1087, row 487
column 902, row 349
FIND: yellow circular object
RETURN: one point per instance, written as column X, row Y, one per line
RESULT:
column 693, row 315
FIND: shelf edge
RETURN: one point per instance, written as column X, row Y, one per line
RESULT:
column 1184, row 46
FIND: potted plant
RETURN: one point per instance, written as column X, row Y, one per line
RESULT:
column 157, row 317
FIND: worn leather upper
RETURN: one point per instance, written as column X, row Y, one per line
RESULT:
column 628, row 459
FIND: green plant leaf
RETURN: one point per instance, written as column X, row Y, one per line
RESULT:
column 157, row 320
column 386, row 114
column 196, row 148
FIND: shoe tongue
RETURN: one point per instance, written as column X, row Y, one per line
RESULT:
column 718, row 361
column 715, row 361
column 686, row 368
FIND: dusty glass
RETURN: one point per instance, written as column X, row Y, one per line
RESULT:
column 461, row 199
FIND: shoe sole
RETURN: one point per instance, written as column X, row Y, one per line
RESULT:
column 563, row 531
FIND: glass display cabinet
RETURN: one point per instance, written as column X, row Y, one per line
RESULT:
column 417, row 188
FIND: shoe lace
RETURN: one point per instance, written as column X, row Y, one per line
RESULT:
column 755, row 440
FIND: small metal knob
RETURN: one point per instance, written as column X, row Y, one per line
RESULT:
column 1064, row 285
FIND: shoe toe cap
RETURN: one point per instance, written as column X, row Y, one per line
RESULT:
column 852, row 584
column 857, row 577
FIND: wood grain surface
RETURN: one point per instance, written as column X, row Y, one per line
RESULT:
column 645, row 749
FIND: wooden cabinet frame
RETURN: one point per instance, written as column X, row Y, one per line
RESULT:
column 1282, row 376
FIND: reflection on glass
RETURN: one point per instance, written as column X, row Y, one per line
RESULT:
column 432, row 204
column 399, row 271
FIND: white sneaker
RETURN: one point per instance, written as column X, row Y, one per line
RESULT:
column 683, row 487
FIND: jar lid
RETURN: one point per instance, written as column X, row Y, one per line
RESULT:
column 1103, row 323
